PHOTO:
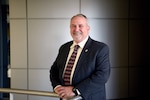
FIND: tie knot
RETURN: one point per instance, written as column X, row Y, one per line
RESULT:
column 76, row 47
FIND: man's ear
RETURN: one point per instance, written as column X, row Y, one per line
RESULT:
column 88, row 27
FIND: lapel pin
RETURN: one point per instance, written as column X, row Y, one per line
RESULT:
column 86, row 50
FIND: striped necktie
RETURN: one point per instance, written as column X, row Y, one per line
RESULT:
column 69, row 66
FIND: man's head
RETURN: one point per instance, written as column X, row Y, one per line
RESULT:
column 79, row 27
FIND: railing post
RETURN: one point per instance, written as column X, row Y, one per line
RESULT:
column 11, row 96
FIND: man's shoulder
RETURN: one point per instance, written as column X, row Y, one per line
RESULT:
column 69, row 43
column 66, row 45
column 97, row 43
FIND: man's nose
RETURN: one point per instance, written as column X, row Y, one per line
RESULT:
column 77, row 28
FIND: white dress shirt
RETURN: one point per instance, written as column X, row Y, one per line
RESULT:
column 81, row 44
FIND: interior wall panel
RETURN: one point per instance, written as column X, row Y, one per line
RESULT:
column 105, row 8
column 39, row 80
column 117, row 85
column 45, row 38
column 18, row 41
column 19, row 80
column 17, row 8
column 115, row 34
column 139, row 9
column 42, row 98
column 139, row 43
column 20, row 97
column 136, row 82
column 52, row 8
column 139, row 57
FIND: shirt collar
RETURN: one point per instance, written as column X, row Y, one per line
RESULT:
column 81, row 44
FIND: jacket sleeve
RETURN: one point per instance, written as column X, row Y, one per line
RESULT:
column 54, row 76
column 55, row 70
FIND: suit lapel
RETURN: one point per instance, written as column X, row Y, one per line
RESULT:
column 64, row 58
column 83, row 55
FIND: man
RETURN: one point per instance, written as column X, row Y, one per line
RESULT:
column 91, row 68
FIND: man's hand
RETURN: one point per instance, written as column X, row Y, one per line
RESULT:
column 65, row 92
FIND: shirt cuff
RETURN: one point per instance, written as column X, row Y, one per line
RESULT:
column 56, row 87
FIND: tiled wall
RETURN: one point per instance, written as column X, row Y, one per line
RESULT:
column 39, row 27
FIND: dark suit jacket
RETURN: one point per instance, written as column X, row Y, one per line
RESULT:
column 92, row 70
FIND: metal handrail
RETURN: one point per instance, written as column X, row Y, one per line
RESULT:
column 33, row 92
column 29, row 92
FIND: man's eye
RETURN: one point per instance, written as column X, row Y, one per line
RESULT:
column 80, row 25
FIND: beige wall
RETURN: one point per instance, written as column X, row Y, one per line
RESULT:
column 39, row 27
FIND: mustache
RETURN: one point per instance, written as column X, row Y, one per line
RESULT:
column 77, row 33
